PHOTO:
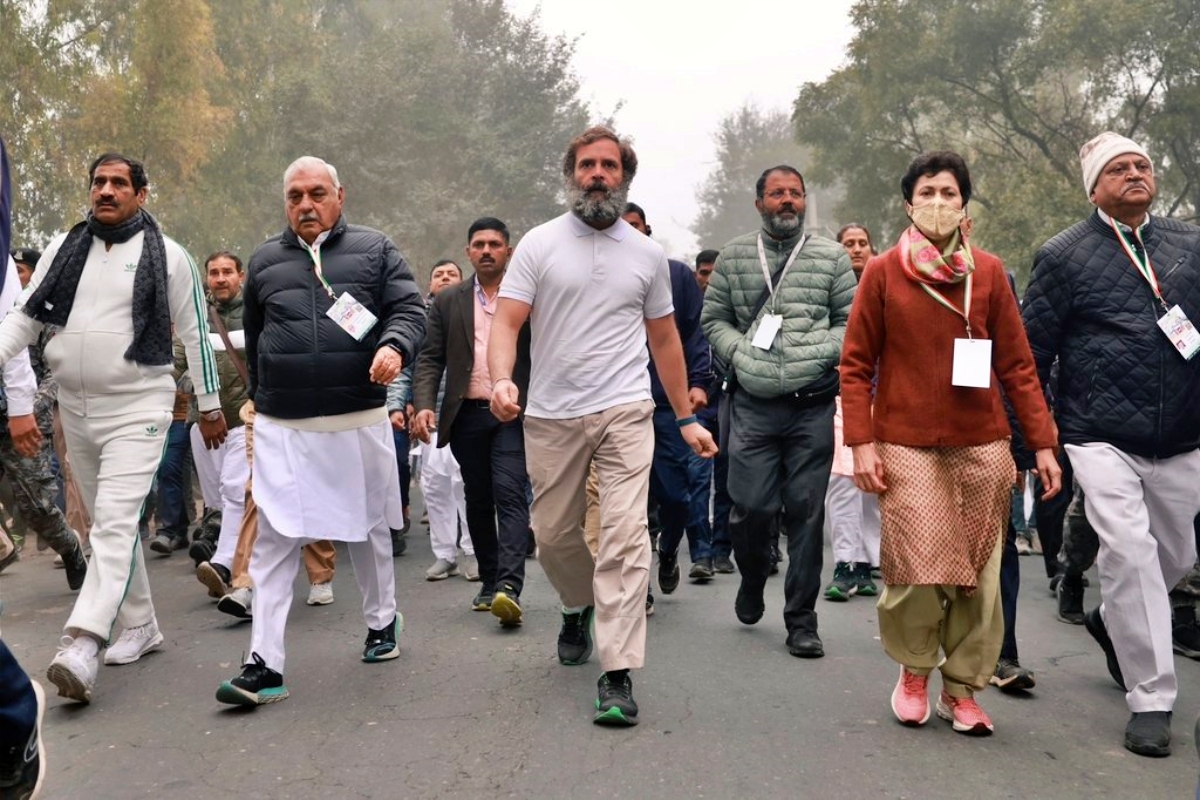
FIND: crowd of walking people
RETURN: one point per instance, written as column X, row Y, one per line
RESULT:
column 584, row 397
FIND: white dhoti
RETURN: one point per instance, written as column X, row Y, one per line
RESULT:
column 223, row 472
column 445, row 502
column 322, row 478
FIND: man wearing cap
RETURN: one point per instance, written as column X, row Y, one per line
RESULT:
column 1111, row 298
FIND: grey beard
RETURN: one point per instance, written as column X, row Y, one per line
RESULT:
column 781, row 228
column 605, row 210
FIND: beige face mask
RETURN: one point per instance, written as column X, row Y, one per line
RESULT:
column 937, row 220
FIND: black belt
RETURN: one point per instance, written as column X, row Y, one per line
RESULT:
column 471, row 402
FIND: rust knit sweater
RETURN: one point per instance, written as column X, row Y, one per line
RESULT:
column 911, row 336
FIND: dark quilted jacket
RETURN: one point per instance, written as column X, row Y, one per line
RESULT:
column 301, row 363
column 1120, row 379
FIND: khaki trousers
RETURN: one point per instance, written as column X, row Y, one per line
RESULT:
column 915, row 622
column 591, row 520
column 319, row 557
column 620, row 441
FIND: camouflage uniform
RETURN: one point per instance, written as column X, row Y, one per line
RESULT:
column 33, row 478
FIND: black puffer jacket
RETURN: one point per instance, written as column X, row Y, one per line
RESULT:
column 301, row 363
column 1120, row 379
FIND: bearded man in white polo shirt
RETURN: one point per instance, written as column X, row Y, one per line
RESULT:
column 596, row 293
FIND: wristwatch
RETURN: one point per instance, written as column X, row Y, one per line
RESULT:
column 211, row 416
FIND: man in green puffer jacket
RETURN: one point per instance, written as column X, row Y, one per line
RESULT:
column 776, row 311
column 223, row 471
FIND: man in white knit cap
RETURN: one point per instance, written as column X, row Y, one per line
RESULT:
column 1114, row 298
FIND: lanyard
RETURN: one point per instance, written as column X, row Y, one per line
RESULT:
column 315, row 253
column 481, row 295
column 762, row 262
column 1142, row 264
column 965, row 313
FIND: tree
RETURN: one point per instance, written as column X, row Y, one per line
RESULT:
column 1016, row 86
column 434, row 111
column 748, row 141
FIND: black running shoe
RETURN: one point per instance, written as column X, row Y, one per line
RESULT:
column 215, row 577
column 76, row 566
column 1185, row 632
column 258, row 685
column 483, row 600
column 749, row 605
column 614, row 702
column 506, row 606
column 1011, row 677
column 23, row 764
column 200, row 550
column 1069, row 594
column 668, row 573
column 1148, row 733
column 723, row 565
column 864, row 585
column 384, row 644
column 843, row 586
column 1095, row 626
column 575, row 638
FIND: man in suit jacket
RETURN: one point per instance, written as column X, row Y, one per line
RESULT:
column 490, row 453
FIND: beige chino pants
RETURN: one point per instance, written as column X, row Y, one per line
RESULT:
column 620, row 441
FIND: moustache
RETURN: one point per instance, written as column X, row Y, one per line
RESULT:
column 309, row 218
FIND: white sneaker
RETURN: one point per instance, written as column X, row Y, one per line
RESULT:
column 470, row 568
column 441, row 570
column 73, row 671
column 320, row 594
column 133, row 643
column 238, row 603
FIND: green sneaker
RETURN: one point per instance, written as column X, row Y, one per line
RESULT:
column 575, row 637
column 258, row 685
column 615, row 704
column 863, row 585
column 384, row 644
column 844, row 584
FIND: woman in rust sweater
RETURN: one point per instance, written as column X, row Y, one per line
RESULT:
column 936, row 327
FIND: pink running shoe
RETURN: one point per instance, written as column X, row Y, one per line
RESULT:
column 965, row 715
column 910, row 698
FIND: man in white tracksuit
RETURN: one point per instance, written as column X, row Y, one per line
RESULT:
column 111, row 288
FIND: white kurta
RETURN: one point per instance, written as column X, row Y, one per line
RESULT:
column 330, row 483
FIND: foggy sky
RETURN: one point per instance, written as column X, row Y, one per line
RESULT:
column 676, row 68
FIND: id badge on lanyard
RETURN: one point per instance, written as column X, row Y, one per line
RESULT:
column 772, row 322
column 1175, row 324
column 349, row 314
column 972, row 365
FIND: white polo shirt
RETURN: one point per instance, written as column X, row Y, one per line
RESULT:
column 591, row 293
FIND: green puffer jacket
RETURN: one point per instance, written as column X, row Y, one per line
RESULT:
column 814, row 299
column 233, row 388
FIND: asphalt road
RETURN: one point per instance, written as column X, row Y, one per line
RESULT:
column 470, row 710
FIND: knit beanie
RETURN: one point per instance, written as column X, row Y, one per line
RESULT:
column 1101, row 150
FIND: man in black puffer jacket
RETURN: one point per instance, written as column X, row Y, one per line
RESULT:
column 331, row 313
column 1101, row 299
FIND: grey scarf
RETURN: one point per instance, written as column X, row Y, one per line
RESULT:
column 51, row 302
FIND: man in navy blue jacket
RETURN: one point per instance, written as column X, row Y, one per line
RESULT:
column 669, row 483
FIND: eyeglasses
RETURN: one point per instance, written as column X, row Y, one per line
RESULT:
column 779, row 194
